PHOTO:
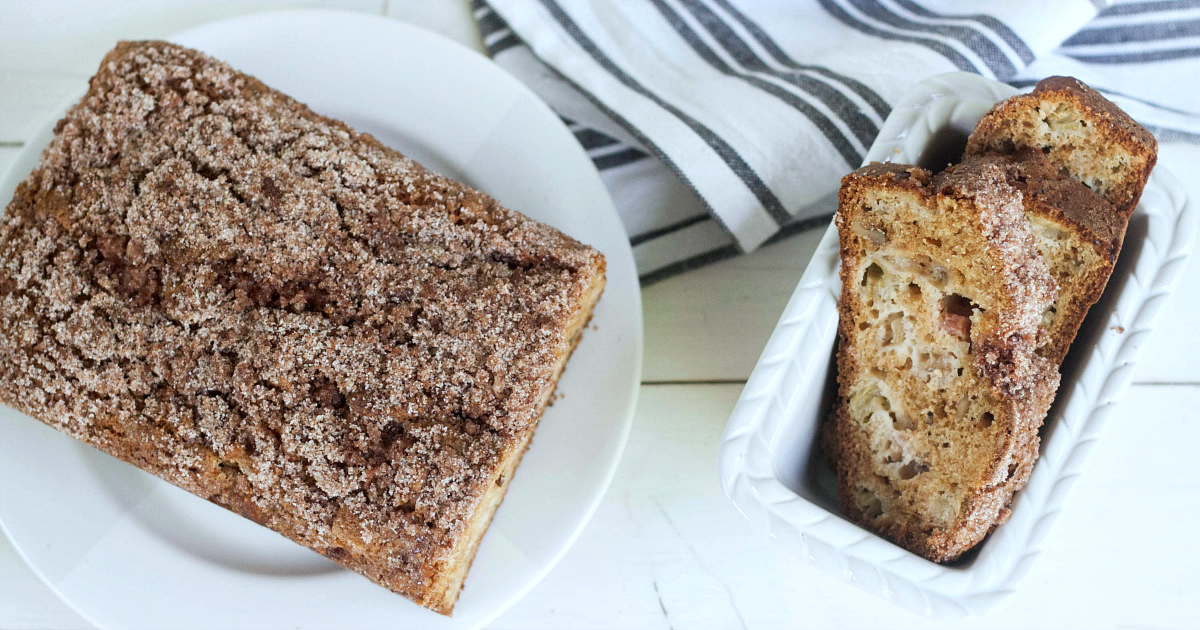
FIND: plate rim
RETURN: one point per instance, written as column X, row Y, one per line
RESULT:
column 634, row 298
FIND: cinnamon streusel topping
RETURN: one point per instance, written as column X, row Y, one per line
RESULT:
column 271, row 310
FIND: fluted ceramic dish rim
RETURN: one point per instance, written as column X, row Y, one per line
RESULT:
column 774, row 425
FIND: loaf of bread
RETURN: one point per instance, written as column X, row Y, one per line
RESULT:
column 1082, row 134
column 1078, row 234
column 941, row 389
column 279, row 314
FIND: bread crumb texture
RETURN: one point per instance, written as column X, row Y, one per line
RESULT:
column 1082, row 133
column 941, row 390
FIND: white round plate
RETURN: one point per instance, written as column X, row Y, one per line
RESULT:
column 127, row 550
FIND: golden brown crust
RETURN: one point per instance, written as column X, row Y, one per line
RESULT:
column 1082, row 133
column 268, row 309
column 1102, row 108
column 935, row 430
column 1079, row 236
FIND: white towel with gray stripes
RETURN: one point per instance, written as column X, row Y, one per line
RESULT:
column 720, row 125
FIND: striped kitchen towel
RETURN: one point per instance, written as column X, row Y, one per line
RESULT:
column 720, row 125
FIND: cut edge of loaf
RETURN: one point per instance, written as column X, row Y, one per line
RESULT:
column 894, row 475
column 1080, row 131
column 1078, row 233
column 443, row 594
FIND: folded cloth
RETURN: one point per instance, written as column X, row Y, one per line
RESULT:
column 719, row 125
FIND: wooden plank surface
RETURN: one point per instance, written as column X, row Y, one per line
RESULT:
column 666, row 549
column 712, row 323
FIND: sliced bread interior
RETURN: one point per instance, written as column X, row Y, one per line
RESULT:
column 1077, row 233
column 941, row 388
column 1082, row 134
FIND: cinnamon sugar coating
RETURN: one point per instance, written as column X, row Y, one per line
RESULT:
column 1078, row 234
column 277, row 313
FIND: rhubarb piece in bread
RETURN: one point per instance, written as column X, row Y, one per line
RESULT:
column 1078, row 235
column 279, row 314
column 941, row 390
column 1082, row 133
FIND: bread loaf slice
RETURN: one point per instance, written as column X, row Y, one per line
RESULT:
column 1083, row 134
column 1077, row 233
column 941, row 390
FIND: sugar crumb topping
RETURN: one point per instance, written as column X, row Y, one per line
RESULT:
column 250, row 300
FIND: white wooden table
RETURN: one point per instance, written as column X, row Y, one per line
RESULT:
column 665, row 549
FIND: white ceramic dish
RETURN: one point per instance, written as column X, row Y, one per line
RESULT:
column 127, row 550
column 769, row 464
